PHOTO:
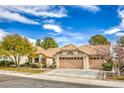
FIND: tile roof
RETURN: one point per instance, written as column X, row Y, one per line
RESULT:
column 69, row 47
column 92, row 49
column 51, row 51
column 88, row 49
column 39, row 50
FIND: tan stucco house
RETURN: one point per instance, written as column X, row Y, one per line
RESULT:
column 71, row 56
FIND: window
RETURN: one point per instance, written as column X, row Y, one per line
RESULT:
column 70, row 53
column 75, row 58
column 36, row 60
column 95, row 58
column 43, row 59
column 66, row 58
column 81, row 58
column 61, row 58
column 71, row 58
column 78, row 58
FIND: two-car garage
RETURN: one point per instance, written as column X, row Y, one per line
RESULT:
column 78, row 63
column 71, row 62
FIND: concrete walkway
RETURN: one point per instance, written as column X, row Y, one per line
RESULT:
column 68, row 79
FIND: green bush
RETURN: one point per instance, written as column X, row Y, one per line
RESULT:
column 35, row 65
column 26, row 64
column 107, row 66
column 6, row 63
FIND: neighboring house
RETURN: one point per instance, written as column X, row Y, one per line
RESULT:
column 70, row 56
column 38, row 58
column 22, row 60
column 40, row 54
column 3, row 58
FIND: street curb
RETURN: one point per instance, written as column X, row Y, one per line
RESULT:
column 70, row 80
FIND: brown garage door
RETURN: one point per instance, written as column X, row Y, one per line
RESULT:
column 96, row 64
column 68, row 62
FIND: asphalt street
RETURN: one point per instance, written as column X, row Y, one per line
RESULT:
column 7, row 81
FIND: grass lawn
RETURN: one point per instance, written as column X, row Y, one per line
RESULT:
column 115, row 77
column 22, row 69
column 118, row 77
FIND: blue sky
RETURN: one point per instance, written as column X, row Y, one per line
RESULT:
column 66, row 24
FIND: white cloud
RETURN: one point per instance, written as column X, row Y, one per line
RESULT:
column 112, row 31
column 121, row 12
column 69, row 37
column 2, row 34
column 91, row 8
column 14, row 13
column 59, row 14
column 63, row 40
column 121, row 15
column 32, row 40
column 53, row 27
column 44, row 11
column 12, row 16
column 120, row 34
column 117, row 29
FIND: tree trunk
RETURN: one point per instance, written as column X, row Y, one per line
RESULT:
column 116, row 69
column 118, row 72
column 18, row 61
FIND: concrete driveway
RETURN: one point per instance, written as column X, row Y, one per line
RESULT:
column 81, row 73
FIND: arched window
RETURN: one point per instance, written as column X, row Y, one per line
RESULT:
column 70, row 53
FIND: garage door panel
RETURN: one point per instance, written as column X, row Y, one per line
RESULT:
column 65, row 63
column 96, row 64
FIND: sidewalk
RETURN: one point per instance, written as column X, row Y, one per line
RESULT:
column 68, row 79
